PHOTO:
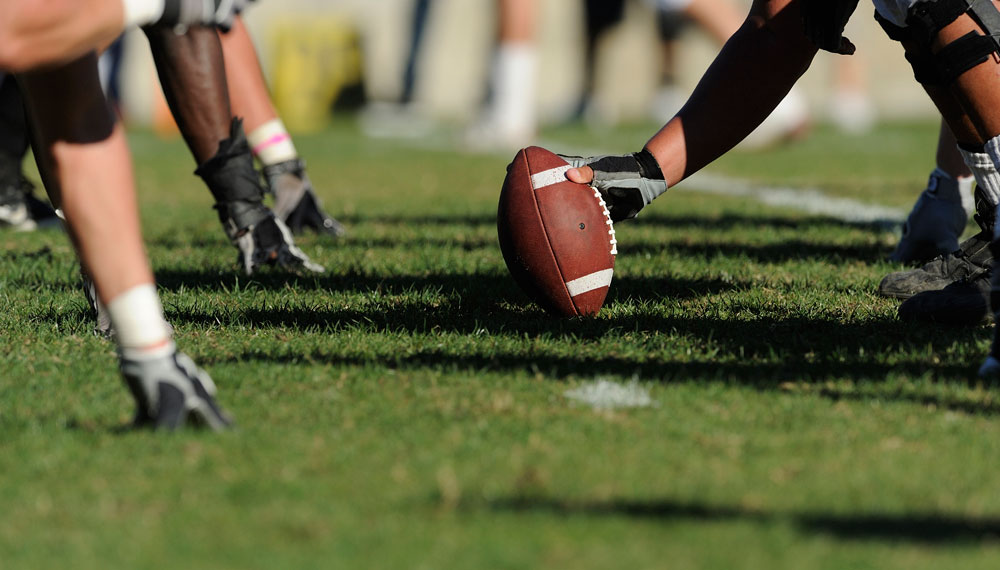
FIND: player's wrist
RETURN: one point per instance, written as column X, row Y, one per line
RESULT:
column 649, row 167
column 142, row 12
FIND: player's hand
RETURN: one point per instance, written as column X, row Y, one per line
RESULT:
column 824, row 22
column 628, row 182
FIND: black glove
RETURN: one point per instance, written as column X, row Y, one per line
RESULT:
column 824, row 22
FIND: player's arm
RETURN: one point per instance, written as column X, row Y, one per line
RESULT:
column 41, row 32
column 750, row 76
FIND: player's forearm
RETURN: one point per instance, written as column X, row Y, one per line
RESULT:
column 248, row 93
column 747, row 80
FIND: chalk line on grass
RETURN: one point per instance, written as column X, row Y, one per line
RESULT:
column 607, row 395
column 809, row 200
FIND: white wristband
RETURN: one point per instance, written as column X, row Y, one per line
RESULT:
column 137, row 317
column 142, row 12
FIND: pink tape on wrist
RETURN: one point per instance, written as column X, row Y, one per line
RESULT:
column 271, row 142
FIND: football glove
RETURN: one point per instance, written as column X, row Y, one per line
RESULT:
column 824, row 22
column 627, row 183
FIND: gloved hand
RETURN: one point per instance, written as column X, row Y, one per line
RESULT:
column 627, row 183
column 824, row 22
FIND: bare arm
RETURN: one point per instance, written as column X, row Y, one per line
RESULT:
column 753, row 72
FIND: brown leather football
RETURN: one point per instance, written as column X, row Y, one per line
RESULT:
column 556, row 236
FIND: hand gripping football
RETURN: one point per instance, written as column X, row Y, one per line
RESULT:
column 555, row 235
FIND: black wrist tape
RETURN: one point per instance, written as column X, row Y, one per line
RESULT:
column 648, row 167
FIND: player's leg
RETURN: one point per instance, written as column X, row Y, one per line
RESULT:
column 192, row 74
column 599, row 17
column 295, row 201
column 19, row 208
column 510, row 120
column 85, row 161
column 952, row 288
column 952, row 47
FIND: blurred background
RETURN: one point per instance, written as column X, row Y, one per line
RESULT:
column 327, row 58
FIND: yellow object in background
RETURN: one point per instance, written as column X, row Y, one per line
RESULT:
column 314, row 61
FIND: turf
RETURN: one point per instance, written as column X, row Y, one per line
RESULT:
column 408, row 409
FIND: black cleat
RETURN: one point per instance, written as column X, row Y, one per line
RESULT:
column 970, row 262
column 103, row 327
column 963, row 303
column 295, row 201
column 19, row 209
column 171, row 392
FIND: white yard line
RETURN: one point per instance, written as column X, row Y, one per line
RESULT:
column 809, row 200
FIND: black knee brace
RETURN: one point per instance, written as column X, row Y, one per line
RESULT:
column 927, row 18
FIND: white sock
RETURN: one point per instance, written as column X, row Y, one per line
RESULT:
column 140, row 328
column 983, row 167
column 965, row 189
column 514, row 88
column 272, row 144
column 142, row 12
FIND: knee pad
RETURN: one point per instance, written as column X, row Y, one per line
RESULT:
column 928, row 17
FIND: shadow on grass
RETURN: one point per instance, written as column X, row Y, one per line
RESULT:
column 652, row 218
column 927, row 528
column 488, row 289
column 795, row 355
column 786, row 250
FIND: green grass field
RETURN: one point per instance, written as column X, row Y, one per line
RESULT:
column 408, row 409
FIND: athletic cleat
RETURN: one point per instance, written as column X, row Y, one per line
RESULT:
column 171, row 392
column 963, row 303
column 103, row 327
column 936, row 222
column 269, row 242
column 19, row 209
column 14, row 214
column 971, row 261
column 13, row 207
column 295, row 201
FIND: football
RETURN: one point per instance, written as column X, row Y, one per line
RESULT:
column 556, row 236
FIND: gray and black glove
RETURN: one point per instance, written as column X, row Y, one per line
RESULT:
column 824, row 22
column 628, row 183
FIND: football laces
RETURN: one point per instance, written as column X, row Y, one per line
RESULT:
column 612, row 240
